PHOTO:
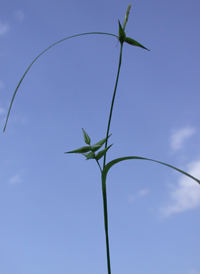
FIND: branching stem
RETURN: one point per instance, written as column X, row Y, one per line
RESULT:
column 99, row 165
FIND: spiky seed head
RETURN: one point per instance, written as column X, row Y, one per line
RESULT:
column 126, row 16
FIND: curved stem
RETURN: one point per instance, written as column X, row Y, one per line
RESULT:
column 112, row 103
column 81, row 34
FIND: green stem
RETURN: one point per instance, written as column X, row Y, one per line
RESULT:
column 106, row 224
column 104, row 163
column 112, row 103
column 98, row 165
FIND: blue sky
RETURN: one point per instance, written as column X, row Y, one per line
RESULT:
column 51, row 213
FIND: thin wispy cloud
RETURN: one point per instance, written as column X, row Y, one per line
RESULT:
column 4, row 28
column 141, row 193
column 179, row 136
column 131, row 198
column 2, row 111
column 2, row 116
column 19, row 15
column 17, row 178
column 186, row 195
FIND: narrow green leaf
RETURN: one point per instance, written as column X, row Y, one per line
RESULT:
column 122, row 34
column 113, row 162
column 86, row 137
column 95, row 147
column 98, row 145
column 102, row 152
column 90, row 155
column 80, row 150
column 134, row 43
column 15, row 92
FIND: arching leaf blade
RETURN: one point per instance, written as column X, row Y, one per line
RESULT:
column 113, row 162
column 76, row 35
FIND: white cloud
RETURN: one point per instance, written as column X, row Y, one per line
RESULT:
column 186, row 195
column 15, row 179
column 19, row 15
column 179, row 136
column 4, row 28
column 140, row 193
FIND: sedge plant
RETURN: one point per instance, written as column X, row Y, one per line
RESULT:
column 95, row 151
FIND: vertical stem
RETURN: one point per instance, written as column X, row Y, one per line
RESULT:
column 104, row 163
column 106, row 225
column 112, row 103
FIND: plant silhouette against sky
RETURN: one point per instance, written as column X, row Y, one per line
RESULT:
column 92, row 151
